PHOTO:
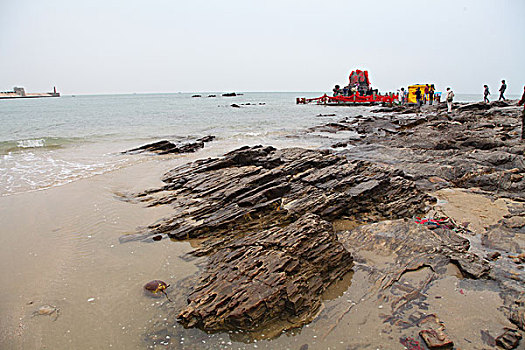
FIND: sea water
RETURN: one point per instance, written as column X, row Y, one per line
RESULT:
column 52, row 141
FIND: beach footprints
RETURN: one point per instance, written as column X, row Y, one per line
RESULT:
column 156, row 286
column 47, row 310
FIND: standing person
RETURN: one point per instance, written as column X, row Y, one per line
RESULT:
column 431, row 94
column 522, row 102
column 425, row 96
column 418, row 97
column 502, row 90
column 402, row 96
column 486, row 94
column 336, row 90
column 450, row 98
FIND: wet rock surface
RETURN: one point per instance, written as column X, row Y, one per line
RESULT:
column 268, row 218
column 477, row 145
column 258, row 187
column 168, row 147
column 275, row 274
column 264, row 214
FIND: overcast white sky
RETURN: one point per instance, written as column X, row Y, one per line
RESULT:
column 105, row 46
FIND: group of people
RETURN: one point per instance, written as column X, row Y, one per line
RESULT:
column 486, row 92
column 349, row 90
column 427, row 95
column 422, row 96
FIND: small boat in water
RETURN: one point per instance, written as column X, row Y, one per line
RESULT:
column 358, row 92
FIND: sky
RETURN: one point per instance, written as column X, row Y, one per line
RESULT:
column 105, row 46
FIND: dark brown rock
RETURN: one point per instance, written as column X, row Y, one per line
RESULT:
column 493, row 255
column 410, row 246
column 436, row 339
column 261, row 187
column 476, row 146
column 517, row 314
column 267, row 275
column 167, row 147
column 265, row 214
column 509, row 340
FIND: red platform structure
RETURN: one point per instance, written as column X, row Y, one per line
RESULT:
column 358, row 92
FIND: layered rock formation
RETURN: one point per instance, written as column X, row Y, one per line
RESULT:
column 258, row 187
column 274, row 274
column 268, row 220
column 477, row 145
column 264, row 212
column 168, row 147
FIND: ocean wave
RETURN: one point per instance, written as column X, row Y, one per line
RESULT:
column 7, row 147
column 31, row 143
column 32, row 171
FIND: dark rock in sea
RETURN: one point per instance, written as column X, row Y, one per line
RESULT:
column 167, row 147
column 229, row 94
column 207, row 138
column 196, row 96
column 339, row 144
column 326, row 115
column 266, row 275
column 235, row 105
column 212, row 95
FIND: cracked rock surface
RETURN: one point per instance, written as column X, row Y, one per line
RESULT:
column 265, row 216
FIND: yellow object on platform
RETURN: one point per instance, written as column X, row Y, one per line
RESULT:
column 412, row 92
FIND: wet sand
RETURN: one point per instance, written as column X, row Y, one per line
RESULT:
column 60, row 247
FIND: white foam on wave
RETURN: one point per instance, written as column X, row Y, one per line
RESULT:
column 30, row 171
column 31, row 143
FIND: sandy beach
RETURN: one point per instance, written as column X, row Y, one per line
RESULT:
column 60, row 247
